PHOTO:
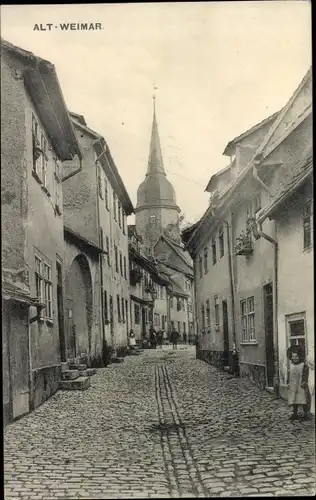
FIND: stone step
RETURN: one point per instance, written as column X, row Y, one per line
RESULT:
column 79, row 384
column 91, row 371
column 70, row 374
column 64, row 367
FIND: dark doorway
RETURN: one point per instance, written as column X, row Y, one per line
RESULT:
column 268, row 327
column 60, row 312
column 143, row 323
column 225, row 333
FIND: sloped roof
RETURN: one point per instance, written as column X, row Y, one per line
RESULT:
column 292, row 183
column 231, row 145
column 41, row 81
column 177, row 249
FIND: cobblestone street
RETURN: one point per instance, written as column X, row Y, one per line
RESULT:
column 159, row 425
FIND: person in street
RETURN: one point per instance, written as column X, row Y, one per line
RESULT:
column 131, row 340
column 184, row 338
column 160, row 338
column 153, row 338
column 174, row 339
column 165, row 337
column 298, row 384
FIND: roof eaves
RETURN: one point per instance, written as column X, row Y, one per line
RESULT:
column 229, row 148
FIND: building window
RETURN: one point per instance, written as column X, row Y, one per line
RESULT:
column 114, row 206
column 44, row 286
column 153, row 219
column 216, row 310
column 221, row 241
column 105, row 306
column 121, row 264
column 200, row 266
column 44, row 160
column 296, row 330
column 116, row 259
column 106, row 194
column 137, row 314
column 208, row 313
column 184, row 327
column 205, row 260
column 118, row 308
column 203, row 316
column 308, row 224
column 247, row 309
column 190, row 306
column 36, row 148
column 125, row 274
column 124, row 222
column 38, row 278
column 179, row 326
column 108, row 250
column 48, row 290
column 214, row 251
column 119, row 207
column 57, row 184
column 100, row 183
column 126, row 310
column 123, row 310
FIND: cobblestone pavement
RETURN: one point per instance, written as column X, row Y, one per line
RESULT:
column 161, row 424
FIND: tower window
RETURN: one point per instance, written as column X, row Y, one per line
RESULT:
column 153, row 219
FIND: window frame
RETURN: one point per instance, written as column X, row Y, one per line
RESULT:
column 118, row 307
column 116, row 258
column 200, row 266
column 293, row 318
column 106, row 194
column 44, row 286
column 214, row 254
column 248, row 321
column 221, row 242
column 216, row 312
column 208, row 313
column 205, row 260
column 307, row 220
column 107, row 241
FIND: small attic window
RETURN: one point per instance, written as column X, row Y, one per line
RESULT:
column 153, row 219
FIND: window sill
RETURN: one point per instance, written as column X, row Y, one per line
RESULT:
column 250, row 342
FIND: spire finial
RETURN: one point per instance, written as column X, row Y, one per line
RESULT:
column 154, row 98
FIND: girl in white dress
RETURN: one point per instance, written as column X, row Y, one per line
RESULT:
column 298, row 385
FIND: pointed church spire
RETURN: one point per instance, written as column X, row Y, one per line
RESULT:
column 155, row 161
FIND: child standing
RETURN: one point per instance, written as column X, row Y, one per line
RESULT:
column 297, row 384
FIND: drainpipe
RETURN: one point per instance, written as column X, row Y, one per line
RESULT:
column 259, row 233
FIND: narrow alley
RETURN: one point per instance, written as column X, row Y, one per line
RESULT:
column 161, row 424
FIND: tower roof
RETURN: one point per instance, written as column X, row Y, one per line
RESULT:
column 155, row 160
column 156, row 190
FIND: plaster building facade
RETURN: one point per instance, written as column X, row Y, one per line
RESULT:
column 157, row 222
column 261, row 306
column 96, row 206
column 34, row 113
column 149, row 290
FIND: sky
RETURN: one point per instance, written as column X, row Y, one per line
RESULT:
column 219, row 68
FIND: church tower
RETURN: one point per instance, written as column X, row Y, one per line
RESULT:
column 156, row 211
